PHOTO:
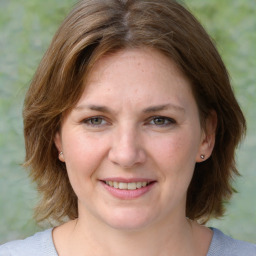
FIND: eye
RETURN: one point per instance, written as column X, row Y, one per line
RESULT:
column 95, row 121
column 162, row 121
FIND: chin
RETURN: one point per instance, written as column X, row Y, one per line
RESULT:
column 128, row 220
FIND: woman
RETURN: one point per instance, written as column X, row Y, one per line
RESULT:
column 130, row 127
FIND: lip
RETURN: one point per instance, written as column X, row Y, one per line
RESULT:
column 125, row 194
column 127, row 180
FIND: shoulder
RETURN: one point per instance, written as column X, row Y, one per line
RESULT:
column 39, row 244
column 226, row 246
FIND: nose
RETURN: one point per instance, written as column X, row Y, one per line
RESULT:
column 126, row 149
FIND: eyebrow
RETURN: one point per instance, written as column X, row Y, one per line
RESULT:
column 98, row 108
column 163, row 107
column 150, row 109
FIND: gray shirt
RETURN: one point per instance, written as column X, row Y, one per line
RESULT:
column 41, row 244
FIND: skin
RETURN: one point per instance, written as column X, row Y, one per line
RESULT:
column 136, row 119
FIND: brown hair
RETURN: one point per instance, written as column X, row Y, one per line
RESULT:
column 95, row 28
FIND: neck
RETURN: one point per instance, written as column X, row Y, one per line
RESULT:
column 174, row 235
column 168, row 238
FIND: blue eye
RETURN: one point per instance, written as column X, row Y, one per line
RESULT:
column 162, row 121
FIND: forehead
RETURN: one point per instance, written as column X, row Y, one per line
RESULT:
column 134, row 71
column 136, row 82
column 144, row 58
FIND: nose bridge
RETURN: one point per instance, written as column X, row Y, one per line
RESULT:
column 126, row 149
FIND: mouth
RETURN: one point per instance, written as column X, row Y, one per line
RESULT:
column 128, row 185
column 127, row 189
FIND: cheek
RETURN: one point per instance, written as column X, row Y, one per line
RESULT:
column 83, row 154
column 175, row 157
column 178, row 149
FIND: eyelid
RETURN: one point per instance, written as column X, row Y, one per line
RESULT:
column 87, row 120
column 170, row 120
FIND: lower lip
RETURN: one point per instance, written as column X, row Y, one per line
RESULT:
column 127, row 194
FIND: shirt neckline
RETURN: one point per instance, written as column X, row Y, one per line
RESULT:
column 213, row 241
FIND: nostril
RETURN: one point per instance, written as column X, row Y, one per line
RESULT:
column 126, row 157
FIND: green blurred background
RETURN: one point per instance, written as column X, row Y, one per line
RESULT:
column 26, row 28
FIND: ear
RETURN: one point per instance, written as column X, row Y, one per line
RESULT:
column 207, row 138
column 58, row 144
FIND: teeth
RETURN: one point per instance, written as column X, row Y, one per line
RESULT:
column 139, row 184
column 144, row 184
column 124, row 185
column 131, row 186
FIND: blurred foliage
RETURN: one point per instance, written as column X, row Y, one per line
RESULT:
column 26, row 28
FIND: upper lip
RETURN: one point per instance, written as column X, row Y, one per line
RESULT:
column 128, row 180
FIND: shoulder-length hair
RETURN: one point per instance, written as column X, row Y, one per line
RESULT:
column 98, row 27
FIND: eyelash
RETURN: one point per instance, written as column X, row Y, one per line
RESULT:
column 88, row 121
column 167, row 121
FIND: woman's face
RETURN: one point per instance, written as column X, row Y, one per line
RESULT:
column 131, row 143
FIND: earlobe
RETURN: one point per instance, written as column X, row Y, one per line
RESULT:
column 61, row 157
column 58, row 144
column 208, row 138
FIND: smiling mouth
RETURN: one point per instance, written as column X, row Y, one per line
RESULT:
column 127, row 186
